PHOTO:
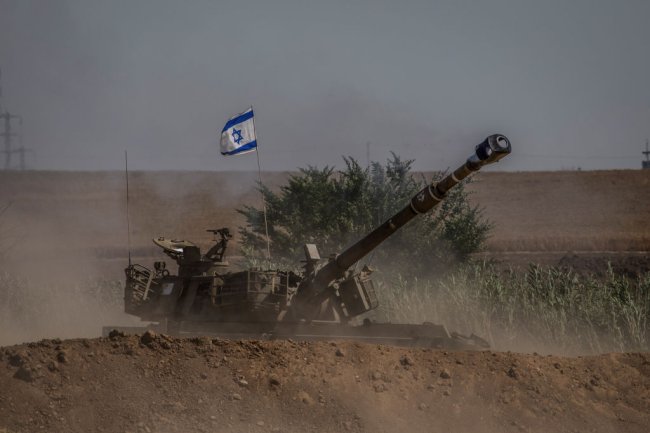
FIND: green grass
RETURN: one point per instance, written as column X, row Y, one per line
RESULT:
column 543, row 310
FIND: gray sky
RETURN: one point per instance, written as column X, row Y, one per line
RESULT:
column 567, row 80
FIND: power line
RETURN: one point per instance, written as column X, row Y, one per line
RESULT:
column 9, row 133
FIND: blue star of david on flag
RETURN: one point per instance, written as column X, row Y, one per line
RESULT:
column 238, row 136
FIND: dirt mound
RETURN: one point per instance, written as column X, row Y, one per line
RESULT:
column 156, row 383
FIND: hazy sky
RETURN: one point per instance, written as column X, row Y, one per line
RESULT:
column 567, row 80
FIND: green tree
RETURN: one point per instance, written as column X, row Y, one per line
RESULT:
column 333, row 209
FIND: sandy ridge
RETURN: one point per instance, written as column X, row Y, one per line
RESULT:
column 156, row 383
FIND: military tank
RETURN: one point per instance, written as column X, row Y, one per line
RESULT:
column 324, row 301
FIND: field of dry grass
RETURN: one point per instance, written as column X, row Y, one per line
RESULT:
column 567, row 210
column 531, row 211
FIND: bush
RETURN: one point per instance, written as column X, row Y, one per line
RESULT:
column 334, row 209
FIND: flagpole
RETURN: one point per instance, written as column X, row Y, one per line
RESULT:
column 259, row 174
column 128, row 220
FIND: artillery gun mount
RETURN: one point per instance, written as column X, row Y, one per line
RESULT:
column 206, row 298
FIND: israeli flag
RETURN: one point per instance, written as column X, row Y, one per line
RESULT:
column 238, row 136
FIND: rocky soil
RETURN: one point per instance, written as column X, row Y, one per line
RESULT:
column 155, row 383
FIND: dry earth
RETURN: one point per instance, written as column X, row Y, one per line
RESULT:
column 160, row 384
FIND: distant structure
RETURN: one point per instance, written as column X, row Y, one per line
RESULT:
column 12, row 137
column 646, row 163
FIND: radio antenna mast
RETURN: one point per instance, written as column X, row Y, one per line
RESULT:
column 128, row 220
column 8, row 133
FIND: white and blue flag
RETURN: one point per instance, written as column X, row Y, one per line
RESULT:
column 238, row 136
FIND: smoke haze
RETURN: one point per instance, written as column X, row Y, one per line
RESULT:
column 567, row 82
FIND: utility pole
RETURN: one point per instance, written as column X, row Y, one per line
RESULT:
column 646, row 163
column 9, row 133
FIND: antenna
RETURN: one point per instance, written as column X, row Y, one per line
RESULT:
column 128, row 220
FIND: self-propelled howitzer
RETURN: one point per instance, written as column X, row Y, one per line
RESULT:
column 205, row 297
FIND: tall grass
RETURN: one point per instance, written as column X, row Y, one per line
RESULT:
column 544, row 310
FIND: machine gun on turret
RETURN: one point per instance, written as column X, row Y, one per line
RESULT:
column 205, row 297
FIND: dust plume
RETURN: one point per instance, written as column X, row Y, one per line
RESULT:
column 61, row 274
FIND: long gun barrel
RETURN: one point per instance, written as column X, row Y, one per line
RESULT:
column 491, row 150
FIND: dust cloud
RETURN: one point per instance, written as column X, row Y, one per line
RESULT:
column 65, row 241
